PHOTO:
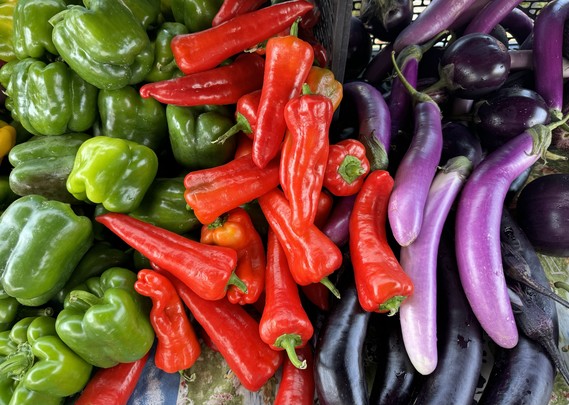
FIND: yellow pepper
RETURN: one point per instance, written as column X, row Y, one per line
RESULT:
column 7, row 138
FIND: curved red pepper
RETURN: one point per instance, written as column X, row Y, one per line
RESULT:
column 177, row 345
column 380, row 280
column 244, row 146
column 220, row 86
column 232, row 8
column 206, row 49
column 297, row 386
column 304, row 155
column 347, row 167
column 324, row 208
column 284, row 324
column 245, row 116
column 236, row 230
column 205, row 269
column 287, row 63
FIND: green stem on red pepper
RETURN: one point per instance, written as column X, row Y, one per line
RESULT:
column 346, row 168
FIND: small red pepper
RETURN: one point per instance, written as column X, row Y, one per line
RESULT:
column 311, row 256
column 287, row 63
column 206, row 49
column 284, row 324
column 113, row 385
column 236, row 230
column 235, row 334
column 304, row 155
column 219, row 86
column 232, row 8
column 207, row 270
column 245, row 116
column 322, row 81
column 244, row 146
column 177, row 345
column 214, row 191
column 381, row 282
column 347, row 167
column 297, row 386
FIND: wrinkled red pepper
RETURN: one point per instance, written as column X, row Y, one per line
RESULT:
column 322, row 81
column 177, row 346
column 207, row 270
column 304, row 155
column 381, row 282
column 297, row 386
column 346, row 168
column 284, row 324
column 232, row 8
column 206, row 49
column 214, row 191
column 236, row 230
column 219, row 86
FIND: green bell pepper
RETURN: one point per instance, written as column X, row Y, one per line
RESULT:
column 49, row 99
column 32, row 30
column 6, row 30
column 7, row 196
column 164, row 206
column 8, row 311
column 41, row 363
column 164, row 67
column 147, row 12
column 106, row 321
column 42, row 242
column 192, row 132
column 197, row 15
column 124, row 114
column 42, row 164
column 104, row 43
column 112, row 171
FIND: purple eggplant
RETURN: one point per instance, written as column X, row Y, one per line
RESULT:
column 379, row 67
column 518, row 24
column 359, row 50
column 490, row 16
column 337, row 225
column 460, row 140
column 385, row 19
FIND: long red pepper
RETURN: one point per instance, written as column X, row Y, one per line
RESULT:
column 206, row 49
column 177, row 346
column 381, row 283
column 220, row 86
column 297, row 386
column 235, row 334
column 284, row 324
column 113, row 385
column 304, row 155
column 205, row 269
column 311, row 256
column 214, row 191
column 287, row 63
column 347, row 167
column 235, row 229
column 233, row 8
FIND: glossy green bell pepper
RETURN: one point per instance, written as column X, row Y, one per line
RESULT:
column 197, row 15
column 8, row 310
column 164, row 206
column 124, row 114
column 6, row 30
column 42, row 164
column 106, row 321
column 42, row 242
column 147, row 12
column 112, row 171
column 40, row 363
column 192, row 132
column 104, row 42
column 7, row 196
column 48, row 99
column 32, row 30
column 164, row 66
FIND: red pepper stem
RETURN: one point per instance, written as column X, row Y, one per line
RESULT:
column 242, row 125
column 289, row 342
column 306, row 90
column 294, row 28
column 392, row 304
column 326, row 281
column 351, row 168
column 218, row 223
column 237, row 282
column 84, row 297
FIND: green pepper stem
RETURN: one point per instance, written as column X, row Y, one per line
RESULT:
column 289, row 342
column 392, row 304
column 350, row 169
column 326, row 281
column 85, row 297
column 561, row 285
column 24, row 312
column 237, row 282
column 16, row 364
column 241, row 125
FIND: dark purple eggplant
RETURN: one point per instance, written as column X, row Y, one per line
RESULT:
column 338, row 358
column 542, row 211
column 490, row 16
column 337, row 225
column 519, row 24
column 385, row 19
column 459, row 140
column 359, row 49
column 379, row 67
column 507, row 113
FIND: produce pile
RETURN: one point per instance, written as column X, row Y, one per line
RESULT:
column 185, row 179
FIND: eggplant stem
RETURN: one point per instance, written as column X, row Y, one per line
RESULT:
column 418, row 97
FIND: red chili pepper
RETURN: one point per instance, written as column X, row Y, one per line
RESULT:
column 207, row 270
column 311, row 256
column 177, row 345
column 304, row 155
column 236, row 230
column 232, row 8
column 245, row 116
column 214, row 191
column 347, row 167
column 244, row 146
column 287, row 63
column 297, row 386
column 284, row 324
column 380, row 280
column 113, row 385
column 235, row 334
column 206, row 49
column 219, row 86
column 324, row 208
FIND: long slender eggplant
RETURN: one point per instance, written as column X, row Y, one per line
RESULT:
column 490, row 16
column 518, row 24
column 337, row 225
column 379, row 67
